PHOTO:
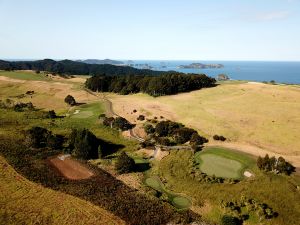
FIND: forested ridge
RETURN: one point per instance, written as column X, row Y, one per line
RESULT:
column 165, row 84
column 70, row 67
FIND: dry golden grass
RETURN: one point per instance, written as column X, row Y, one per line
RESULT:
column 24, row 202
column 252, row 114
column 48, row 94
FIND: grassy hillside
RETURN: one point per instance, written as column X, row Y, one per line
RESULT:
column 257, row 114
column 24, row 202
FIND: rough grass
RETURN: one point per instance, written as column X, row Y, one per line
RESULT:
column 24, row 202
column 223, row 162
column 278, row 191
column 257, row 114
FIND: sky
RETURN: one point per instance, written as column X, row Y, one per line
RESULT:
column 267, row 30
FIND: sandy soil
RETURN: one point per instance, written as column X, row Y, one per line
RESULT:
column 71, row 168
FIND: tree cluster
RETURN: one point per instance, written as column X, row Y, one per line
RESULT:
column 38, row 137
column 273, row 164
column 70, row 67
column 166, row 130
column 243, row 208
column 165, row 84
column 118, row 123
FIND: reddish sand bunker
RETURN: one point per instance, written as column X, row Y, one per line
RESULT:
column 71, row 168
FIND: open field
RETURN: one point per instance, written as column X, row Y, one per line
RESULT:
column 249, row 114
column 223, row 163
column 24, row 202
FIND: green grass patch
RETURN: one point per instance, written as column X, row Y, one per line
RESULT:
column 24, row 75
column 224, row 163
column 178, row 201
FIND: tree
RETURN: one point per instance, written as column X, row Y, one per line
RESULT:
column 83, row 144
column 70, row 100
column 124, row 163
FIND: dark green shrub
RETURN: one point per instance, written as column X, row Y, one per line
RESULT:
column 70, row 100
column 124, row 163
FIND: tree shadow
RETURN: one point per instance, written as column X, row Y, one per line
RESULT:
column 142, row 167
column 79, row 103
column 109, row 148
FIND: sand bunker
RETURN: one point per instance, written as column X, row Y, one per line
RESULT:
column 71, row 168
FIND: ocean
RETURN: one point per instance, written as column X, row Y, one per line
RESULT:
column 281, row 72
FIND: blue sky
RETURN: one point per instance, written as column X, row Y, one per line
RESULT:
column 151, row 29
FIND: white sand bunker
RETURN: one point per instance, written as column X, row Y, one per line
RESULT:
column 63, row 157
column 248, row 174
column 76, row 111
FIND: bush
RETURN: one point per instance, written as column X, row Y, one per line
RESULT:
column 36, row 137
column 196, row 139
column 70, row 100
column 141, row 117
column 230, row 220
column 124, row 163
column 219, row 138
column 108, row 121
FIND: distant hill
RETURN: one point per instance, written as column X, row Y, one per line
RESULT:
column 104, row 61
column 75, row 68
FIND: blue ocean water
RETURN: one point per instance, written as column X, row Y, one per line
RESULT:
column 282, row 72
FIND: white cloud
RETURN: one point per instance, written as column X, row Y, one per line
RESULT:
column 275, row 15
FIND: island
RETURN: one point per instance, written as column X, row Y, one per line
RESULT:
column 201, row 66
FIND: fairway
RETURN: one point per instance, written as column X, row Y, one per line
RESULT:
column 222, row 162
column 92, row 110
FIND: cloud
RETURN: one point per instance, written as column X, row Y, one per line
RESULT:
column 275, row 15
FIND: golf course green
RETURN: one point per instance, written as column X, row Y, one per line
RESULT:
column 178, row 201
column 222, row 162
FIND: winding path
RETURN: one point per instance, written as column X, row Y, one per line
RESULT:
column 133, row 135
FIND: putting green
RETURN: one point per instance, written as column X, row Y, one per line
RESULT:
column 223, row 162
column 220, row 166
column 180, row 202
